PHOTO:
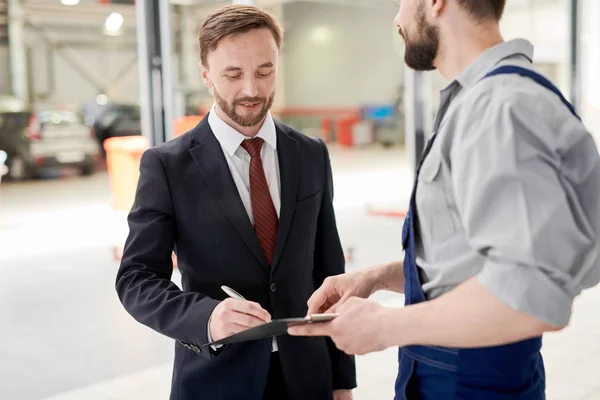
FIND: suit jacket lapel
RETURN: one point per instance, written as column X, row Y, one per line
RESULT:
column 208, row 157
column 287, row 153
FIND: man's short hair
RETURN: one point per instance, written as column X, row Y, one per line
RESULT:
column 233, row 20
column 484, row 10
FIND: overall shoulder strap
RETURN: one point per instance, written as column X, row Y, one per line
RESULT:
column 540, row 79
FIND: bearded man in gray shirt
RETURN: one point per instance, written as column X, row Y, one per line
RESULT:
column 503, row 227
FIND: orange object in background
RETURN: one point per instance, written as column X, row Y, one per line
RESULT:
column 344, row 130
column 184, row 124
column 123, row 156
column 326, row 130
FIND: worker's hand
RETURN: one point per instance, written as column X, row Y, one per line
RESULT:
column 361, row 327
column 337, row 289
column 232, row 316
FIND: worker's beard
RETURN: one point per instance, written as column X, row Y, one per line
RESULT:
column 420, row 53
column 247, row 119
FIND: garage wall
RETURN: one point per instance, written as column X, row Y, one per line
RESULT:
column 341, row 55
column 546, row 25
column 70, row 84
column 112, row 69
column 334, row 56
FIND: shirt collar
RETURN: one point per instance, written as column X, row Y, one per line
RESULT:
column 491, row 57
column 231, row 139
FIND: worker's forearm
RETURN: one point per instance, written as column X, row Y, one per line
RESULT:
column 468, row 316
column 388, row 277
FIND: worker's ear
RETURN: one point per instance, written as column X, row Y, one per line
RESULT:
column 435, row 7
column 206, row 76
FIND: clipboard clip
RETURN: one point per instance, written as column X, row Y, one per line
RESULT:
column 321, row 317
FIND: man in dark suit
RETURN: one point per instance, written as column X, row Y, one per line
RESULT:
column 246, row 202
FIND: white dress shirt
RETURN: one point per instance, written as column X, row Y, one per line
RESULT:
column 238, row 161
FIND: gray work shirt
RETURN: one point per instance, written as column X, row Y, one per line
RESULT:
column 510, row 192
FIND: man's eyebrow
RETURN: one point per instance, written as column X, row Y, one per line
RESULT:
column 231, row 68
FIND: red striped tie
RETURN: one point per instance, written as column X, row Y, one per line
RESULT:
column 265, row 216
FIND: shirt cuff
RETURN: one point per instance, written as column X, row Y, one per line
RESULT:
column 528, row 289
column 212, row 346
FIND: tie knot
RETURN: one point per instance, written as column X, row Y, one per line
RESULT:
column 253, row 146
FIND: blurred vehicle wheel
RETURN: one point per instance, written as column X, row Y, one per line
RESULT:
column 88, row 168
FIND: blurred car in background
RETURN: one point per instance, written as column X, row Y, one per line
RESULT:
column 35, row 141
column 117, row 120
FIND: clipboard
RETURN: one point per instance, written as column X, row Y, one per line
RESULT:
column 276, row 327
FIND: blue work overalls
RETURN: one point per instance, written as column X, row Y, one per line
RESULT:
column 514, row 371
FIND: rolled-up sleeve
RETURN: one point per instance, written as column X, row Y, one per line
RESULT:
column 515, row 208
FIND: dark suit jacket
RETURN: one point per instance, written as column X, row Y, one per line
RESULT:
column 186, row 200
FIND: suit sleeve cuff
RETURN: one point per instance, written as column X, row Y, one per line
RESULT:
column 203, row 337
column 344, row 371
column 348, row 384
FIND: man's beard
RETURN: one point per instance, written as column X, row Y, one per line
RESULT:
column 245, row 121
column 420, row 54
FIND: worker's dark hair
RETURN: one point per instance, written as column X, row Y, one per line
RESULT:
column 232, row 20
column 484, row 10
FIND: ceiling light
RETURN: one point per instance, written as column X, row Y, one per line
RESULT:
column 101, row 99
column 70, row 2
column 113, row 24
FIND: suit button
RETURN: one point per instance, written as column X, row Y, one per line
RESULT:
column 273, row 287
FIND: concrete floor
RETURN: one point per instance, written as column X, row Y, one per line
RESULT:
column 65, row 336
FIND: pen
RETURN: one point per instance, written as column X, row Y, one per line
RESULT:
column 232, row 293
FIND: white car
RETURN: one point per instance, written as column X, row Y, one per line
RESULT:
column 47, row 139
